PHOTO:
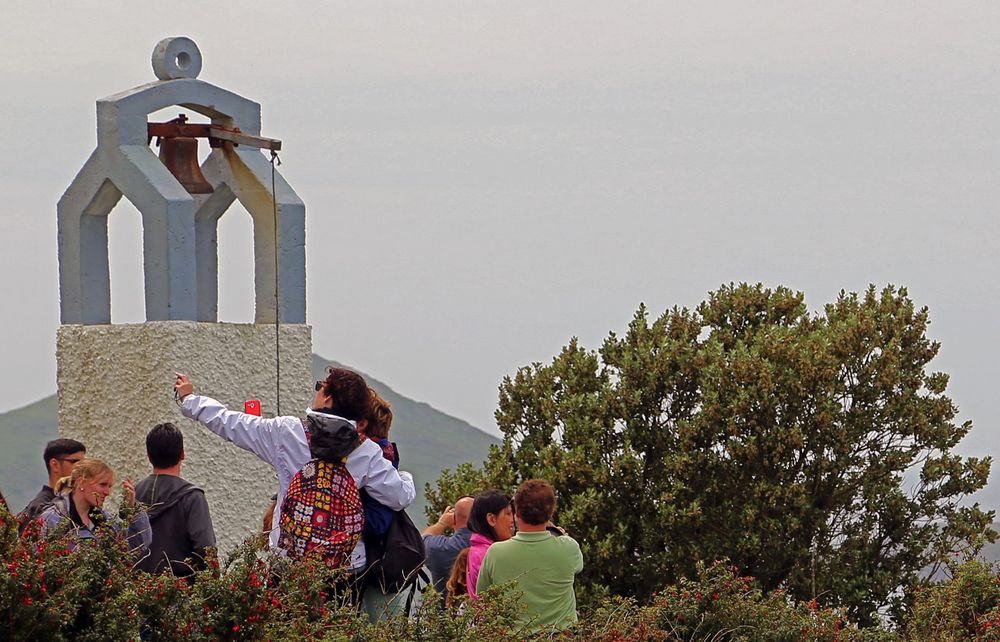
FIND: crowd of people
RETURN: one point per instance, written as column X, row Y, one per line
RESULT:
column 496, row 541
column 340, row 496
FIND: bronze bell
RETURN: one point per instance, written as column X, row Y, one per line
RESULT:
column 180, row 155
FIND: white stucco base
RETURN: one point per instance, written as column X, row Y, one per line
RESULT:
column 116, row 382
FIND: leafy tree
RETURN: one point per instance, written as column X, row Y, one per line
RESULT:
column 815, row 451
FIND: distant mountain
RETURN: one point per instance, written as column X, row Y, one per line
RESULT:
column 428, row 441
column 23, row 433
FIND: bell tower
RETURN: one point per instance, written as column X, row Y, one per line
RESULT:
column 115, row 379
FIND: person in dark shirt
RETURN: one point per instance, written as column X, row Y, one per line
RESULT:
column 378, row 518
column 178, row 512
column 441, row 549
column 376, row 428
column 59, row 456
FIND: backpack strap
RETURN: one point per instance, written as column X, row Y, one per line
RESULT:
column 414, row 587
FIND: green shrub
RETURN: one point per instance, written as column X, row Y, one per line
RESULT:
column 964, row 608
column 35, row 600
column 720, row 604
column 48, row 591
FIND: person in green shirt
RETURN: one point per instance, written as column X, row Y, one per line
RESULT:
column 542, row 566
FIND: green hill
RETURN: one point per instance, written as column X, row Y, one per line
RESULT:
column 428, row 441
column 23, row 433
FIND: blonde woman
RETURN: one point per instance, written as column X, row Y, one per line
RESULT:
column 80, row 500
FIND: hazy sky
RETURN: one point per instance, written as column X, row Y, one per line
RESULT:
column 485, row 180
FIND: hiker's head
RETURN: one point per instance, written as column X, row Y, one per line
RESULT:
column 91, row 481
column 491, row 516
column 456, row 582
column 380, row 419
column 535, row 502
column 60, row 455
column 463, row 507
column 165, row 446
column 343, row 393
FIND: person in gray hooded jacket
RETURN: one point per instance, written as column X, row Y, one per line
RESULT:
column 177, row 509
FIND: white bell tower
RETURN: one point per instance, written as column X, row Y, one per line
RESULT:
column 115, row 380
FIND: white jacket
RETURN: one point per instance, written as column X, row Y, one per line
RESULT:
column 281, row 442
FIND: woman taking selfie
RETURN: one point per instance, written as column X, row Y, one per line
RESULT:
column 80, row 500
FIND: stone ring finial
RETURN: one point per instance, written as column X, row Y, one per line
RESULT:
column 176, row 57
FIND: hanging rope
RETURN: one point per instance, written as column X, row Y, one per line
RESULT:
column 277, row 301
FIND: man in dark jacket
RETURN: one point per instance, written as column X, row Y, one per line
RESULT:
column 178, row 512
column 59, row 456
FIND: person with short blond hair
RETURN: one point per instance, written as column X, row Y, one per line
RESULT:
column 541, row 565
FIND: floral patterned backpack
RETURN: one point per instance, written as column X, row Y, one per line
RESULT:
column 322, row 512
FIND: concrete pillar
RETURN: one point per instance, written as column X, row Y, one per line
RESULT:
column 116, row 382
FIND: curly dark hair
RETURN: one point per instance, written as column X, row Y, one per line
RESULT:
column 535, row 502
column 380, row 420
column 349, row 394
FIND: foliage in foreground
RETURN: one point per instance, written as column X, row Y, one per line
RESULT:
column 752, row 430
column 48, row 592
column 92, row 593
column 965, row 608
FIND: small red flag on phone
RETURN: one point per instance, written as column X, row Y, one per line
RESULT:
column 252, row 407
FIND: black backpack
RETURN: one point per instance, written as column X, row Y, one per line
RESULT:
column 396, row 562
